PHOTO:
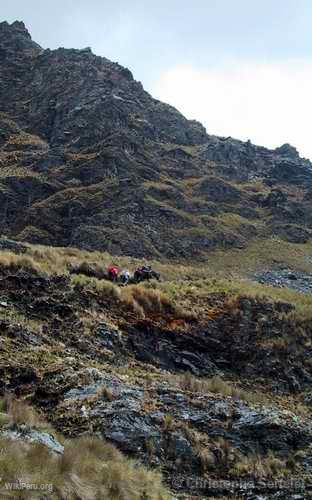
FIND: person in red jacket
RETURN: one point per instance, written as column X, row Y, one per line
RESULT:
column 113, row 272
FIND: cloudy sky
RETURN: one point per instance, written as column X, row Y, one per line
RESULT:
column 241, row 67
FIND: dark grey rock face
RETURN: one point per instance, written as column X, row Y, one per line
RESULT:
column 163, row 437
column 22, row 433
column 92, row 160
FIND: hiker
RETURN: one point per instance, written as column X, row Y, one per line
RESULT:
column 124, row 277
column 144, row 269
column 113, row 272
column 143, row 273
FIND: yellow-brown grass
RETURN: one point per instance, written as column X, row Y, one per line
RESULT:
column 217, row 385
column 89, row 468
column 144, row 300
column 260, row 467
column 13, row 263
column 183, row 284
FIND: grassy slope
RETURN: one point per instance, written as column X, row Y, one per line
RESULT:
column 185, row 289
column 230, row 265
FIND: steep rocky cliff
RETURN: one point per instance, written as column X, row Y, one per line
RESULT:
column 89, row 159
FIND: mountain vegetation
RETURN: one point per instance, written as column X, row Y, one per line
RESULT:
column 198, row 385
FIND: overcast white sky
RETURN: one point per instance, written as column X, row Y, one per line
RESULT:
column 241, row 67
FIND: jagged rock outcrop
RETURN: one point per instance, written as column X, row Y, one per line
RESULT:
column 95, row 367
column 88, row 158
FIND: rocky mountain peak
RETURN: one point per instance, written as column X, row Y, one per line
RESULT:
column 287, row 150
column 83, row 144
column 18, row 27
column 16, row 38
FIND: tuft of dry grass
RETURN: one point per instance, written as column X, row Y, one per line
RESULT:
column 104, row 289
column 92, row 270
column 19, row 412
column 144, row 300
column 207, row 459
column 260, row 467
column 169, row 423
column 105, row 393
column 217, row 385
column 88, row 469
column 14, row 263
